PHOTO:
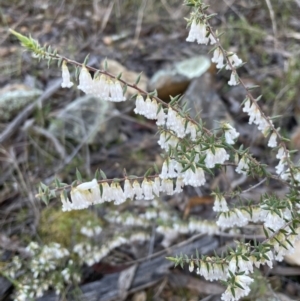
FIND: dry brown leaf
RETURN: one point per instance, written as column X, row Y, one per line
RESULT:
column 196, row 201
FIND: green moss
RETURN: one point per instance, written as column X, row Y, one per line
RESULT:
column 64, row 227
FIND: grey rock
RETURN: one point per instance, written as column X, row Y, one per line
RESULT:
column 14, row 98
column 175, row 79
column 202, row 99
column 87, row 119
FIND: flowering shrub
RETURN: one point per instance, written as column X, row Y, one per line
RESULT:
column 191, row 152
column 41, row 271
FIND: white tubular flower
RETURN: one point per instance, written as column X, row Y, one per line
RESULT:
column 85, row 195
column 235, row 61
column 150, row 109
column 102, row 88
column 157, row 186
column 169, row 235
column 247, row 106
column 117, row 193
column 243, row 166
column 234, row 80
column 179, row 184
column 138, row 191
column 244, row 282
column 139, row 105
column 128, row 190
column 195, row 179
column 253, row 113
column 219, row 157
column 218, row 58
column 230, row 133
column 197, row 33
column 282, row 247
column 172, row 166
column 280, row 167
column 150, row 214
column 232, row 218
column 212, row 271
column 147, row 187
column 263, row 126
column 85, row 81
column 166, row 141
column 167, row 186
column 161, row 118
column 281, row 153
column 237, row 263
column 274, row 221
column 164, row 171
column 162, row 141
column 139, row 236
column 66, row 204
column 273, row 140
column 191, row 266
column 179, row 127
column 258, row 215
column 66, row 76
column 191, row 129
column 213, row 41
column 116, row 92
column 90, row 190
column 256, row 118
column 107, row 195
column 153, row 109
column 220, row 204
column 171, row 118
column 263, row 260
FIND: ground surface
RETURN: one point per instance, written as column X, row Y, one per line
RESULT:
column 146, row 36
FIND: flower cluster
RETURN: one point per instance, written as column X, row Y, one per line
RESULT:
column 89, row 193
column 102, row 87
column 173, row 169
column 234, row 60
column 66, row 76
column 42, row 271
column 240, row 286
column 199, row 33
column 191, row 150
column 220, row 204
column 212, row 271
column 90, row 255
column 243, row 166
column 230, row 133
column 90, row 231
column 283, row 161
column 256, row 117
column 283, row 245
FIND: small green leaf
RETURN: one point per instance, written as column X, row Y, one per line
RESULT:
column 97, row 174
column 43, row 186
column 57, row 182
column 125, row 89
column 86, row 60
column 148, row 172
column 138, row 79
column 97, row 74
column 78, row 176
column 103, row 175
column 105, row 64
column 156, row 169
column 153, row 93
column 252, row 87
